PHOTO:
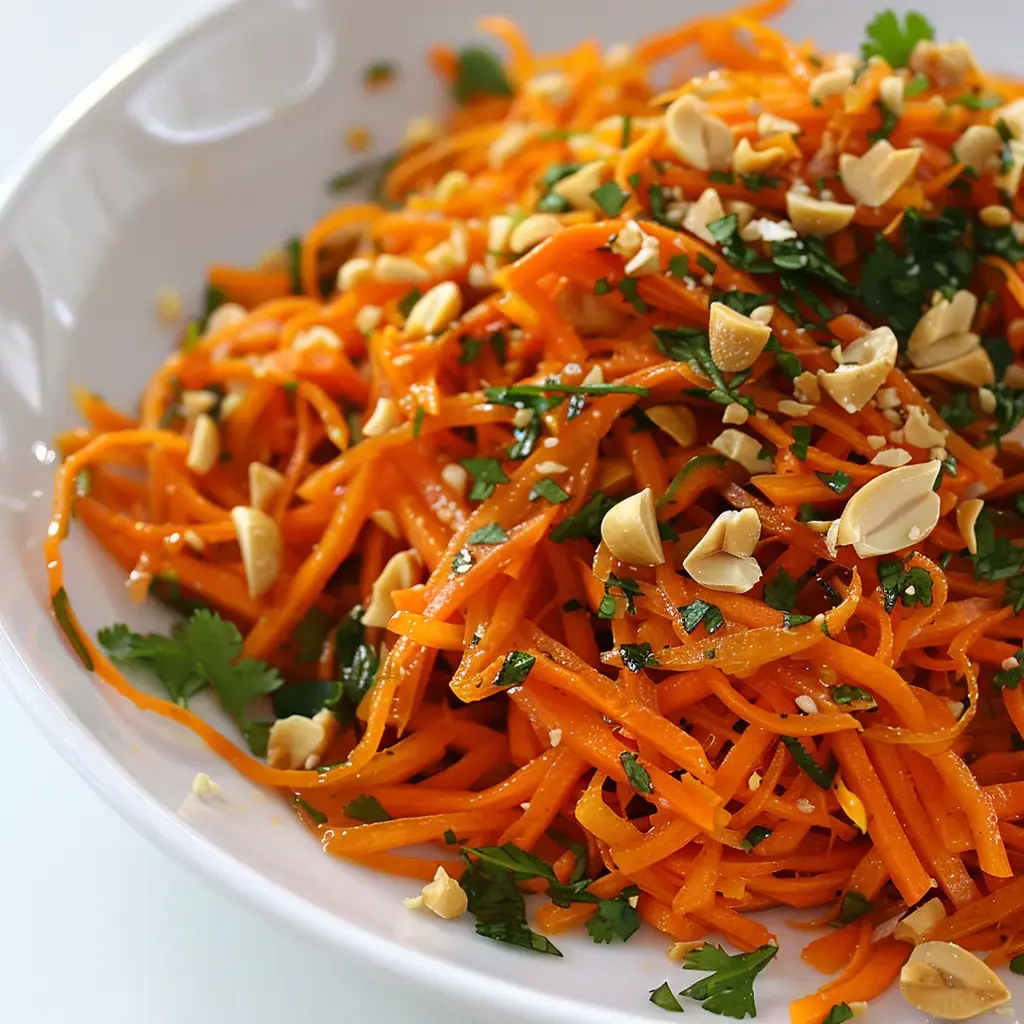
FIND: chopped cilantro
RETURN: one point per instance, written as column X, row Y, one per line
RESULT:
column 897, row 283
column 478, row 72
column 573, row 605
column 706, row 263
column 801, row 441
column 293, row 251
column 663, row 998
column 1009, row 678
column 629, row 589
column 837, row 481
column 847, row 694
column 888, row 39
column 487, row 474
column 610, row 197
column 636, row 774
column 367, row 809
column 306, row 698
column 499, row 907
column 782, row 591
column 915, row 86
column 547, row 489
column 450, row 837
column 679, row 266
column 729, row 990
column 205, row 651
column 62, row 613
column 756, row 182
column 853, row 907
column 699, row 611
column 515, row 668
column 615, row 918
column 492, row 533
column 1017, row 964
column 839, row 1013
column 411, row 297
column 628, row 288
column 821, row 777
column 757, row 834
column 586, row 522
column 889, row 121
column 691, row 345
column 637, row 656
column 318, row 816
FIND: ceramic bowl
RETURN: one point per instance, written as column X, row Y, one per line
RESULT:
column 213, row 145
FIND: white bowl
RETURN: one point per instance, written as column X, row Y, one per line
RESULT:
column 214, row 146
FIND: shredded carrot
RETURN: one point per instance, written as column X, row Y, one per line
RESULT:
column 593, row 579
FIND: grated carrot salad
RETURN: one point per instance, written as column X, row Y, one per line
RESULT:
column 397, row 478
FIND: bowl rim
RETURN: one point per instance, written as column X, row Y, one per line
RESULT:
column 149, row 817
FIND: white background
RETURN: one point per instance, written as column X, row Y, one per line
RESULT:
column 96, row 924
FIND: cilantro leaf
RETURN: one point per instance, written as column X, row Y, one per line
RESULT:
column 662, row 997
column 62, row 613
column 508, row 857
column 487, row 474
column 1009, row 678
column 837, row 481
column 586, row 522
column 306, row 698
column 547, row 489
column 1017, row 964
column 853, row 907
column 782, row 591
column 801, row 441
column 358, row 663
column 492, row 533
column 757, row 834
column 318, row 816
column 515, row 668
column 821, row 777
column 629, row 589
column 896, row 285
column 911, row 587
column 888, row 39
column 610, row 198
column 636, row 774
column 693, row 346
column 499, row 907
column 699, row 611
column 478, row 72
column 839, row 1013
column 615, row 919
column 311, row 632
column 637, row 657
column 367, row 809
column 203, row 651
column 729, row 990
column 847, row 694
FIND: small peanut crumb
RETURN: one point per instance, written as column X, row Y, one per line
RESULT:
column 555, row 737
column 358, row 138
column 805, row 806
column 754, row 782
column 168, row 306
column 806, row 704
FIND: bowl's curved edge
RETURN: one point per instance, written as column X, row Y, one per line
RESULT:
column 150, row 818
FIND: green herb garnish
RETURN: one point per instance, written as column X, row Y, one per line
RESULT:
column 492, row 533
column 699, row 611
column 487, row 474
column 478, row 72
column 515, row 668
column 367, row 809
column 894, row 42
column 729, row 990
column 636, row 774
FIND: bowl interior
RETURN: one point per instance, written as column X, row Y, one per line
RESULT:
column 216, row 147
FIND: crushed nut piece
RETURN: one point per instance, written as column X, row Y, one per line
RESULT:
column 699, row 139
column 942, row 979
column 874, row 178
column 630, row 530
column 401, row 572
column 891, row 511
column 723, row 558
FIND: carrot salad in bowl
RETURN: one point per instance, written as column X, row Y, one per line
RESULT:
column 624, row 508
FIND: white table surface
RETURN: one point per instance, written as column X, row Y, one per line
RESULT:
column 96, row 924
